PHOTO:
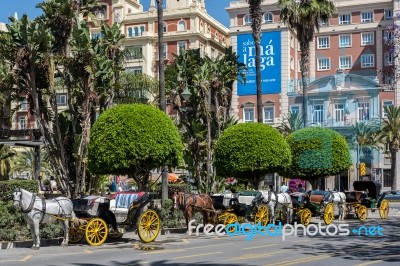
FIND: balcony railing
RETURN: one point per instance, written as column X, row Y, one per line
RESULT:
column 346, row 122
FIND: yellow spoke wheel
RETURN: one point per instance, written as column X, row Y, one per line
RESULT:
column 384, row 209
column 305, row 216
column 96, row 232
column 362, row 212
column 262, row 215
column 148, row 226
column 230, row 218
column 115, row 234
column 329, row 213
column 75, row 235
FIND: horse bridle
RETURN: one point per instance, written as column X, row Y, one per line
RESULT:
column 30, row 207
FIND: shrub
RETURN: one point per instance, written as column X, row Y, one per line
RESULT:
column 170, row 217
column 133, row 139
column 251, row 150
column 317, row 152
column 7, row 188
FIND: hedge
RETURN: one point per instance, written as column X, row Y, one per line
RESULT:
column 7, row 188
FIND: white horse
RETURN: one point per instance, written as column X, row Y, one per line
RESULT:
column 277, row 201
column 37, row 211
column 339, row 199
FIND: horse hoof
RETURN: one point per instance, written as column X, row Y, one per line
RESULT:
column 35, row 248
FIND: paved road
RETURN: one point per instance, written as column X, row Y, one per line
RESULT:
column 226, row 250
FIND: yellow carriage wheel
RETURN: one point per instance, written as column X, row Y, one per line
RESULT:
column 384, row 209
column 329, row 213
column 148, row 226
column 96, row 232
column 75, row 235
column 230, row 218
column 262, row 215
column 305, row 216
column 115, row 234
column 362, row 212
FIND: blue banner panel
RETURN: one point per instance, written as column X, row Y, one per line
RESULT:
column 270, row 63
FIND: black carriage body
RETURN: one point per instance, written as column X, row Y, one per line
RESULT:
column 369, row 194
column 240, row 209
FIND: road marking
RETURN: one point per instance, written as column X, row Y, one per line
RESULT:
column 26, row 258
column 261, row 246
column 377, row 261
column 87, row 251
column 215, row 245
column 256, row 256
column 162, row 251
column 301, row 260
column 197, row 255
column 185, row 240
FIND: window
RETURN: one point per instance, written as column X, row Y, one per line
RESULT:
column 367, row 60
column 388, row 14
column 291, row 41
column 389, row 58
column 339, row 113
column 165, row 27
column 100, row 12
column 22, row 122
column 134, row 70
column 248, row 114
column 268, row 17
column 344, row 19
column 212, row 53
column 323, row 42
column 247, row 20
column 345, row 62
column 367, row 17
column 388, row 36
column 324, row 64
column 291, row 63
column 181, row 25
column 181, row 47
column 295, row 109
column 269, row 114
column 367, row 38
column 130, row 32
column 318, row 114
column 134, row 52
column 202, row 50
column 323, row 23
column 363, row 111
column 96, row 35
column 344, row 40
column 387, row 178
column 24, row 104
column 385, row 103
column 61, row 99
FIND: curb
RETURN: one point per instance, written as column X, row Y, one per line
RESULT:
column 28, row 243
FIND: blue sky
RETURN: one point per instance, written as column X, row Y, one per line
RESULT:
column 215, row 8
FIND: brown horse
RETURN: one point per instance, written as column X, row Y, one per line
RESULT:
column 190, row 203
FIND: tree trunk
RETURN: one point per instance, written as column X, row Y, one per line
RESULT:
column 393, row 153
column 161, row 80
column 304, row 60
column 256, row 14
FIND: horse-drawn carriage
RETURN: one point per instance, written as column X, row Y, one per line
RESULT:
column 239, row 207
column 366, row 195
column 103, row 217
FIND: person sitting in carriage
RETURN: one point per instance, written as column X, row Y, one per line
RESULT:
column 301, row 193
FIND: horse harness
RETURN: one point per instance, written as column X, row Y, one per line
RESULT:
column 186, row 200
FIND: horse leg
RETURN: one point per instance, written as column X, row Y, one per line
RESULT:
column 36, row 237
column 65, row 226
column 32, row 229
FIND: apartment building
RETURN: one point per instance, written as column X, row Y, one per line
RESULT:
column 186, row 26
column 349, row 63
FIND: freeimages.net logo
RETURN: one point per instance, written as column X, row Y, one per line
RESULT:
column 272, row 230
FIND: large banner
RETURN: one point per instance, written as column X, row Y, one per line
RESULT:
column 270, row 63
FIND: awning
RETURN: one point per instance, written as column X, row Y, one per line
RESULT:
column 172, row 177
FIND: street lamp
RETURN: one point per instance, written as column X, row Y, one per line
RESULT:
column 186, row 94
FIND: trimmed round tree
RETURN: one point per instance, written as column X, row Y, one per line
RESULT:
column 133, row 139
column 250, row 151
column 317, row 152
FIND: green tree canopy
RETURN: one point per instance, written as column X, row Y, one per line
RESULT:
column 133, row 139
column 317, row 152
column 251, row 150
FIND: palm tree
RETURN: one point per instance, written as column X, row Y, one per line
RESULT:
column 256, row 21
column 291, row 122
column 391, row 134
column 6, row 161
column 303, row 17
column 25, row 162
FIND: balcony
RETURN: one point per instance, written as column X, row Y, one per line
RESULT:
column 346, row 122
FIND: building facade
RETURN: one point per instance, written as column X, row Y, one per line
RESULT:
column 349, row 71
column 186, row 26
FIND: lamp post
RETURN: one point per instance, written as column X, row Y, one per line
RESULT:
column 186, row 94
